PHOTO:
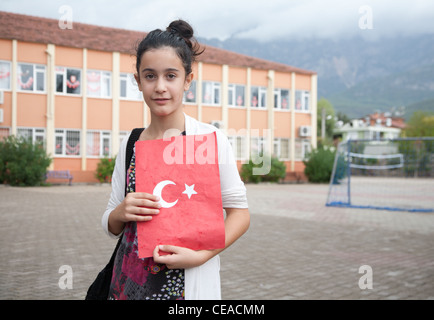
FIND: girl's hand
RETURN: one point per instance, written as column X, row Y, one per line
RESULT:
column 236, row 224
column 136, row 206
column 181, row 258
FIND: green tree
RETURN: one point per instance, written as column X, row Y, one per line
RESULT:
column 325, row 105
column 421, row 124
column 319, row 164
column 22, row 163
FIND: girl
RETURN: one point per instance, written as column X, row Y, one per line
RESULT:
column 164, row 72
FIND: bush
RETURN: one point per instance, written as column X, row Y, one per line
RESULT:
column 319, row 165
column 105, row 169
column 22, row 163
column 276, row 173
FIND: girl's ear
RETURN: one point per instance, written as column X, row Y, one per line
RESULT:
column 136, row 76
column 188, row 80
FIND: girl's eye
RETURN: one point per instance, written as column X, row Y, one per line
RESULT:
column 149, row 76
column 171, row 76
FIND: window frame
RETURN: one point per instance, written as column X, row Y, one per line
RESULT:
column 261, row 99
column 192, row 90
column 130, row 85
column 104, row 77
column 63, row 71
column 232, row 95
column 280, row 97
column 104, row 140
column 304, row 97
column 63, row 134
column 239, row 147
column 215, row 87
column 37, row 69
column 278, row 147
column 6, row 74
column 35, row 134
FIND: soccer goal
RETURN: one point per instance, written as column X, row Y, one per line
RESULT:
column 384, row 174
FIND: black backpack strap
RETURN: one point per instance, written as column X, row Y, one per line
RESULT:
column 134, row 136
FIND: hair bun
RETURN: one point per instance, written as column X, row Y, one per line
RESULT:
column 182, row 28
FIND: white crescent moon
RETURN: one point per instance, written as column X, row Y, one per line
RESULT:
column 159, row 189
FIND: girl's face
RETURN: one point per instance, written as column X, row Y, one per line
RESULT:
column 162, row 80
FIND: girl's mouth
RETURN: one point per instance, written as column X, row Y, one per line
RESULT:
column 161, row 101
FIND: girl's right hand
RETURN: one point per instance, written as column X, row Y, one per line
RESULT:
column 136, row 206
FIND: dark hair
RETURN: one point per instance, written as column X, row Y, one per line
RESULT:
column 178, row 35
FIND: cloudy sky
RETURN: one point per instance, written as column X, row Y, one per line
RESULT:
column 257, row 19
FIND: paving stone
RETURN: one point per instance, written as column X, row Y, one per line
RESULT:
column 296, row 247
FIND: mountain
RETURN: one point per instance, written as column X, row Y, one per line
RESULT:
column 357, row 75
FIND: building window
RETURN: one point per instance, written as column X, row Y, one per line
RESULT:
column 239, row 147
column 281, row 99
column 68, row 81
column 302, row 100
column 98, row 84
column 258, row 146
column 281, row 148
column 67, row 142
column 31, row 77
column 190, row 94
column 129, row 88
column 5, row 75
column 259, row 97
column 302, row 149
column 32, row 134
column 211, row 93
column 236, row 95
column 122, row 136
column 98, row 143
column 4, row 132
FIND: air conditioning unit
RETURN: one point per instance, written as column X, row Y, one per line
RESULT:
column 305, row 131
column 1, row 116
column 2, row 97
column 217, row 123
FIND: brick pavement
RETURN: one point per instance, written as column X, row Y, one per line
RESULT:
column 296, row 248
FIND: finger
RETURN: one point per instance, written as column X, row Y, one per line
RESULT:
column 165, row 259
column 144, row 203
column 156, row 253
column 133, row 209
column 138, row 218
column 144, row 195
column 169, row 248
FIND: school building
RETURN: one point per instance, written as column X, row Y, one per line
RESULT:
column 74, row 89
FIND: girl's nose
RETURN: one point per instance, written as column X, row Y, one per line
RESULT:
column 160, row 86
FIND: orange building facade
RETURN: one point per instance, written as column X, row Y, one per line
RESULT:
column 78, row 94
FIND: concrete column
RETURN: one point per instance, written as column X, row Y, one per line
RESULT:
column 14, row 87
column 199, row 91
column 293, row 132
column 248, row 112
column 225, row 85
column 83, row 138
column 51, row 89
column 270, row 111
column 313, row 107
column 146, row 119
column 115, row 102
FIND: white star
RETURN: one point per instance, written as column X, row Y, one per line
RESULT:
column 189, row 190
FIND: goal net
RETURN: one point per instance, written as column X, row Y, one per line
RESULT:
column 384, row 174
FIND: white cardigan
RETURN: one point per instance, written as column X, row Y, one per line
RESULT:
column 201, row 282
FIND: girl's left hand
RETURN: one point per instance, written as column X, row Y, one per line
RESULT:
column 179, row 257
